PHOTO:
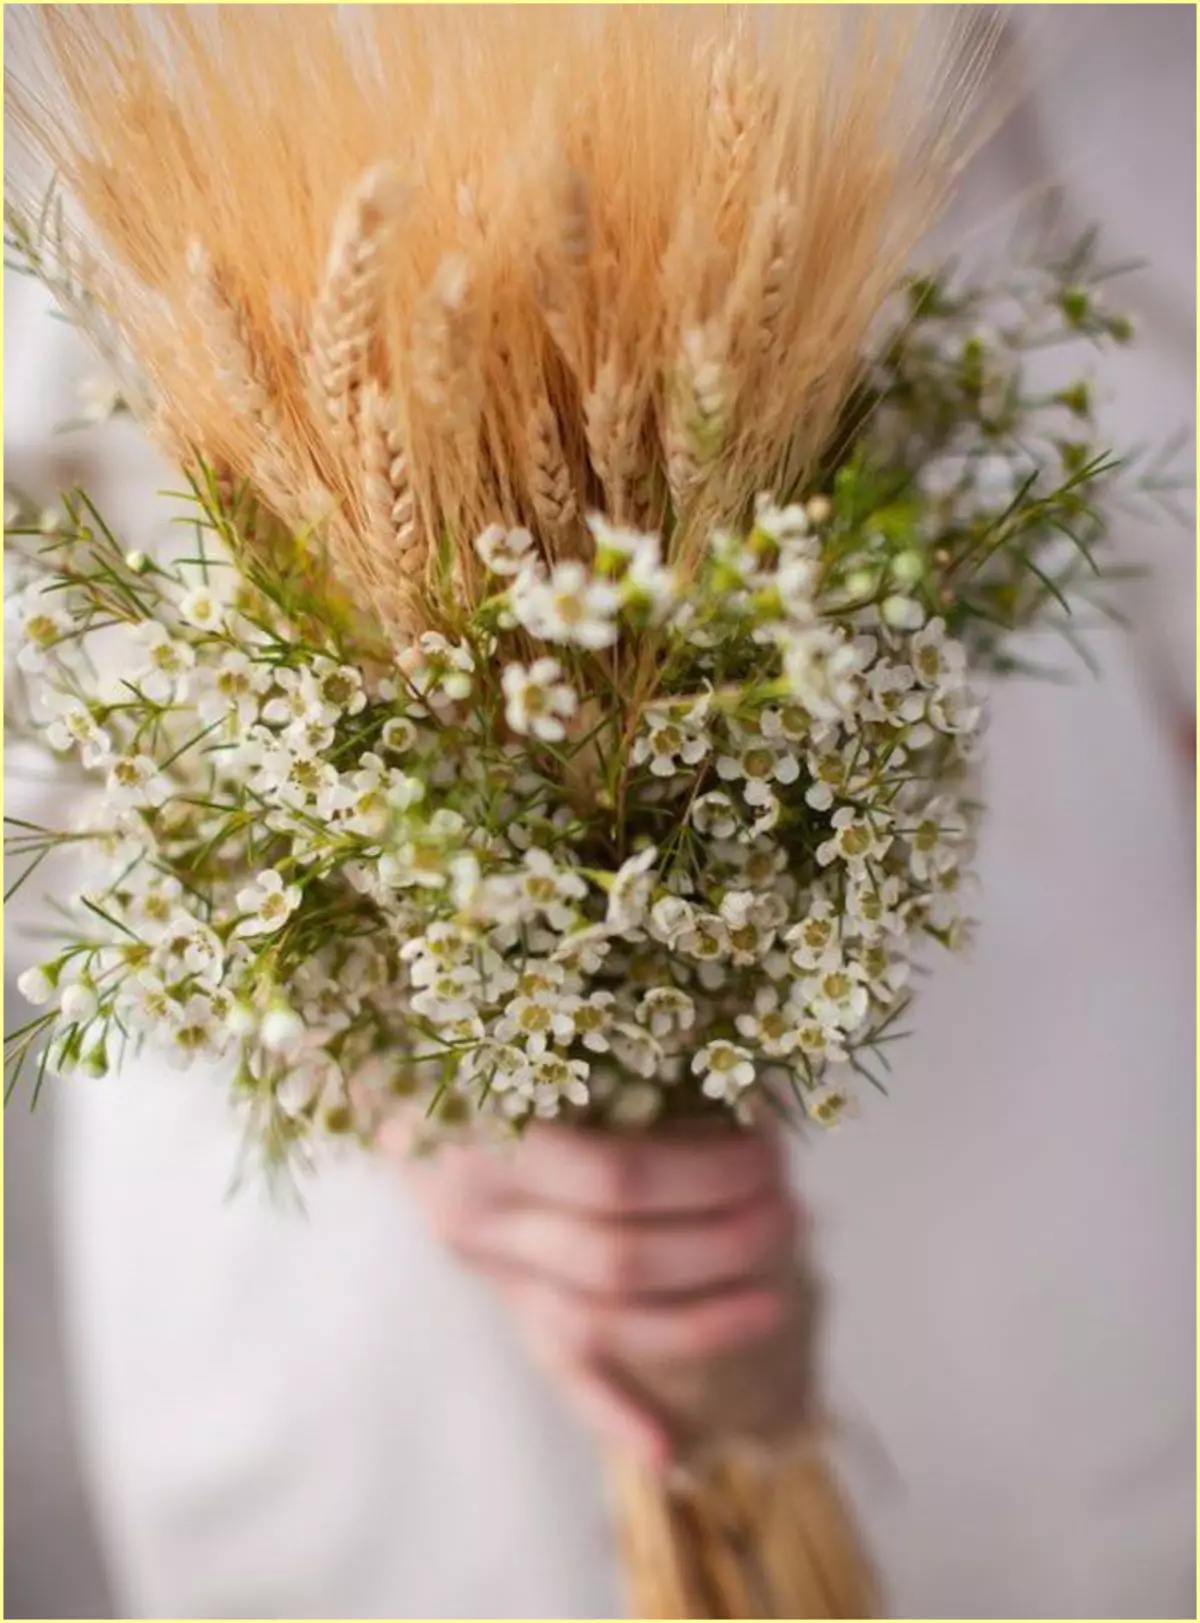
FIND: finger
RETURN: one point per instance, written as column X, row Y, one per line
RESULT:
column 658, row 1175
column 682, row 1330
column 652, row 1257
column 602, row 1403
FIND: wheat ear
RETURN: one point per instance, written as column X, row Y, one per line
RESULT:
column 698, row 405
column 346, row 313
column 386, row 486
column 550, row 483
column 613, row 426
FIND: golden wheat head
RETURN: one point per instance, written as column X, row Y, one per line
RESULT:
column 437, row 267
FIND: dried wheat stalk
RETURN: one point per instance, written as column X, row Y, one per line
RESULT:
column 347, row 310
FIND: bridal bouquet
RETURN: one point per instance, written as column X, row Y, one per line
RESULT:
column 566, row 702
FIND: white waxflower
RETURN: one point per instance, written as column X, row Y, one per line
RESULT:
column 759, row 765
column 163, row 678
column 820, row 1043
column 772, row 1025
column 855, row 840
column 727, row 1070
column 707, row 940
column 827, row 1104
column 187, row 947
column 636, row 1050
column 837, row 997
column 790, row 722
column 134, row 780
column 42, row 631
column 440, row 671
column 267, row 902
column 537, row 701
column 668, row 741
column 781, row 524
column 822, row 669
column 537, row 1022
column 816, row 939
column 886, row 974
column 449, row 995
column 569, row 605
column 556, row 1079
column 202, row 608
column 593, row 1018
column 74, row 726
column 236, row 686
column 935, row 843
column 550, row 890
column 937, row 660
column 337, row 689
column 308, row 737
column 195, row 1031
column 505, row 552
column 631, row 890
column 667, row 1011
column 670, row 917
column 398, row 735
column 714, row 814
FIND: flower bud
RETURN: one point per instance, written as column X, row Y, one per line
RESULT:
column 282, row 1028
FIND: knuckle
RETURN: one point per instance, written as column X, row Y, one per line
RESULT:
column 616, row 1176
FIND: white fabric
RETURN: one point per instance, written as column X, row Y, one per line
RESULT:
column 306, row 1416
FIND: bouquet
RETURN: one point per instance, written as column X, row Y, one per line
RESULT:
column 567, row 702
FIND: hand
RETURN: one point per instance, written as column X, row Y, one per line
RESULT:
column 609, row 1250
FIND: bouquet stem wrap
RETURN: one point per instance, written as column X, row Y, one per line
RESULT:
column 751, row 1522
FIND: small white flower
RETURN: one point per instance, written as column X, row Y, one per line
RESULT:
column 666, row 1011
column 570, row 605
column 727, row 1070
column 822, row 670
column 816, row 939
column 163, row 677
column 42, row 630
column 837, row 997
column 707, row 941
column 441, row 671
column 555, row 1079
column 855, row 840
column 631, row 890
column 670, row 918
column 902, row 613
column 134, row 780
column 636, row 1050
column 537, row 1022
column 505, row 552
column 670, row 741
column 202, row 608
column 593, row 1018
column 398, row 735
column 267, row 902
column 759, row 766
column 550, row 890
column 827, row 1104
column 772, row 1025
column 196, row 1030
column 74, row 726
column 938, row 661
column 714, row 815
column 537, row 700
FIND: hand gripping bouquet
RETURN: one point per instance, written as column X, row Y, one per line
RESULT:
column 564, row 704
